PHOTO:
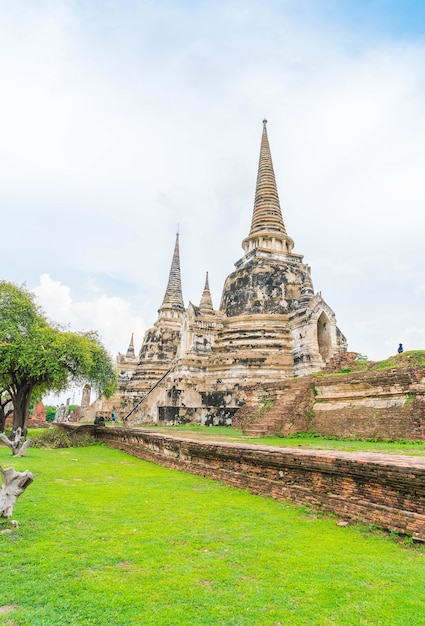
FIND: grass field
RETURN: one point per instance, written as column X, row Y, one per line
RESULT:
column 302, row 440
column 106, row 539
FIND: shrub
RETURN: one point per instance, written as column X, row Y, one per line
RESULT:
column 53, row 438
column 411, row 397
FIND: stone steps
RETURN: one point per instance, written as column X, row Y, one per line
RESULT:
column 290, row 408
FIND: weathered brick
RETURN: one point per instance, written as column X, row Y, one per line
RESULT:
column 385, row 490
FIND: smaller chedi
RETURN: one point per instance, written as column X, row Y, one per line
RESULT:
column 196, row 363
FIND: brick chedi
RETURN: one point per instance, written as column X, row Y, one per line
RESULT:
column 161, row 342
column 269, row 302
column 138, row 374
column 196, row 364
column 102, row 407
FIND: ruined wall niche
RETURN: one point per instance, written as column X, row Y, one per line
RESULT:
column 324, row 339
column 186, row 335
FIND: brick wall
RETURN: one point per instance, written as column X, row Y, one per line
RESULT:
column 386, row 404
column 387, row 491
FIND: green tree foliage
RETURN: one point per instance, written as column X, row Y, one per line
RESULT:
column 37, row 356
column 50, row 413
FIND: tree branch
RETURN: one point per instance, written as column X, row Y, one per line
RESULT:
column 18, row 445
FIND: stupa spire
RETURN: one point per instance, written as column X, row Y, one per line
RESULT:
column 268, row 230
column 130, row 349
column 267, row 214
column 206, row 305
column 173, row 297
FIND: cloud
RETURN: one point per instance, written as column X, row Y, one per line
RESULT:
column 414, row 336
column 118, row 123
column 112, row 317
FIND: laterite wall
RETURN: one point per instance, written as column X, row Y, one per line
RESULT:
column 386, row 404
column 388, row 491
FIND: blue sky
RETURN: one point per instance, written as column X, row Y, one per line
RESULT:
column 119, row 121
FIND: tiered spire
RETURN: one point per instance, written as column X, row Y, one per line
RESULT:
column 173, row 297
column 206, row 305
column 130, row 349
column 268, row 231
column 267, row 213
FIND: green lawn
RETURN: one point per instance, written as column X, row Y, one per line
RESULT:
column 106, row 539
column 302, row 440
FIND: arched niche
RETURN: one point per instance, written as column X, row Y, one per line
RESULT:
column 324, row 337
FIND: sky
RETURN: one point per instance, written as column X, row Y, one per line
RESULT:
column 123, row 122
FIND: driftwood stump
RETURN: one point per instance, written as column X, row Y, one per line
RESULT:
column 13, row 485
column 18, row 444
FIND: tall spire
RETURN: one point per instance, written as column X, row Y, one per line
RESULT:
column 267, row 213
column 206, row 305
column 130, row 349
column 268, row 231
column 173, row 297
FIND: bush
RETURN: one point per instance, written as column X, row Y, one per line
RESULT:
column 53, row 438
column 50, row 413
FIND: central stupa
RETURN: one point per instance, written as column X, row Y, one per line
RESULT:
column 196, row 364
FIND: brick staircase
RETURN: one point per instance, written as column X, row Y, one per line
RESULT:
column 278, row 410
column 245, row 414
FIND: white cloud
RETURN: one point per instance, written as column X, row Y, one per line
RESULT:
column 116, row 125
column 412, row 338
column 112, row 317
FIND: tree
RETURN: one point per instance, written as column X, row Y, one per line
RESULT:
column 37, row 356
column 50, row 413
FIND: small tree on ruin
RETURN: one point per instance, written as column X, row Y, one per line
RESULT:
column 37, row 356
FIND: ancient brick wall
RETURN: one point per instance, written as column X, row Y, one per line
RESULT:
column 383, row 490
column 385, row 404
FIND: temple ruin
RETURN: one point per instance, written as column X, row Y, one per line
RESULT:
column 196, row 363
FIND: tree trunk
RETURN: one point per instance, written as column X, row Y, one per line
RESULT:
column 18, row 444
column 21, row 403
column 6, row 409
column 14, row 484
column 2, row 419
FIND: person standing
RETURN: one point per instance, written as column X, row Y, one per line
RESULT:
column 400, row 348
column 113, row 417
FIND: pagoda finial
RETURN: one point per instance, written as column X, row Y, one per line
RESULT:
column 267, row 212
column 206, row 305
column 173, row 297
column 130, row 349
column 267, row 228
